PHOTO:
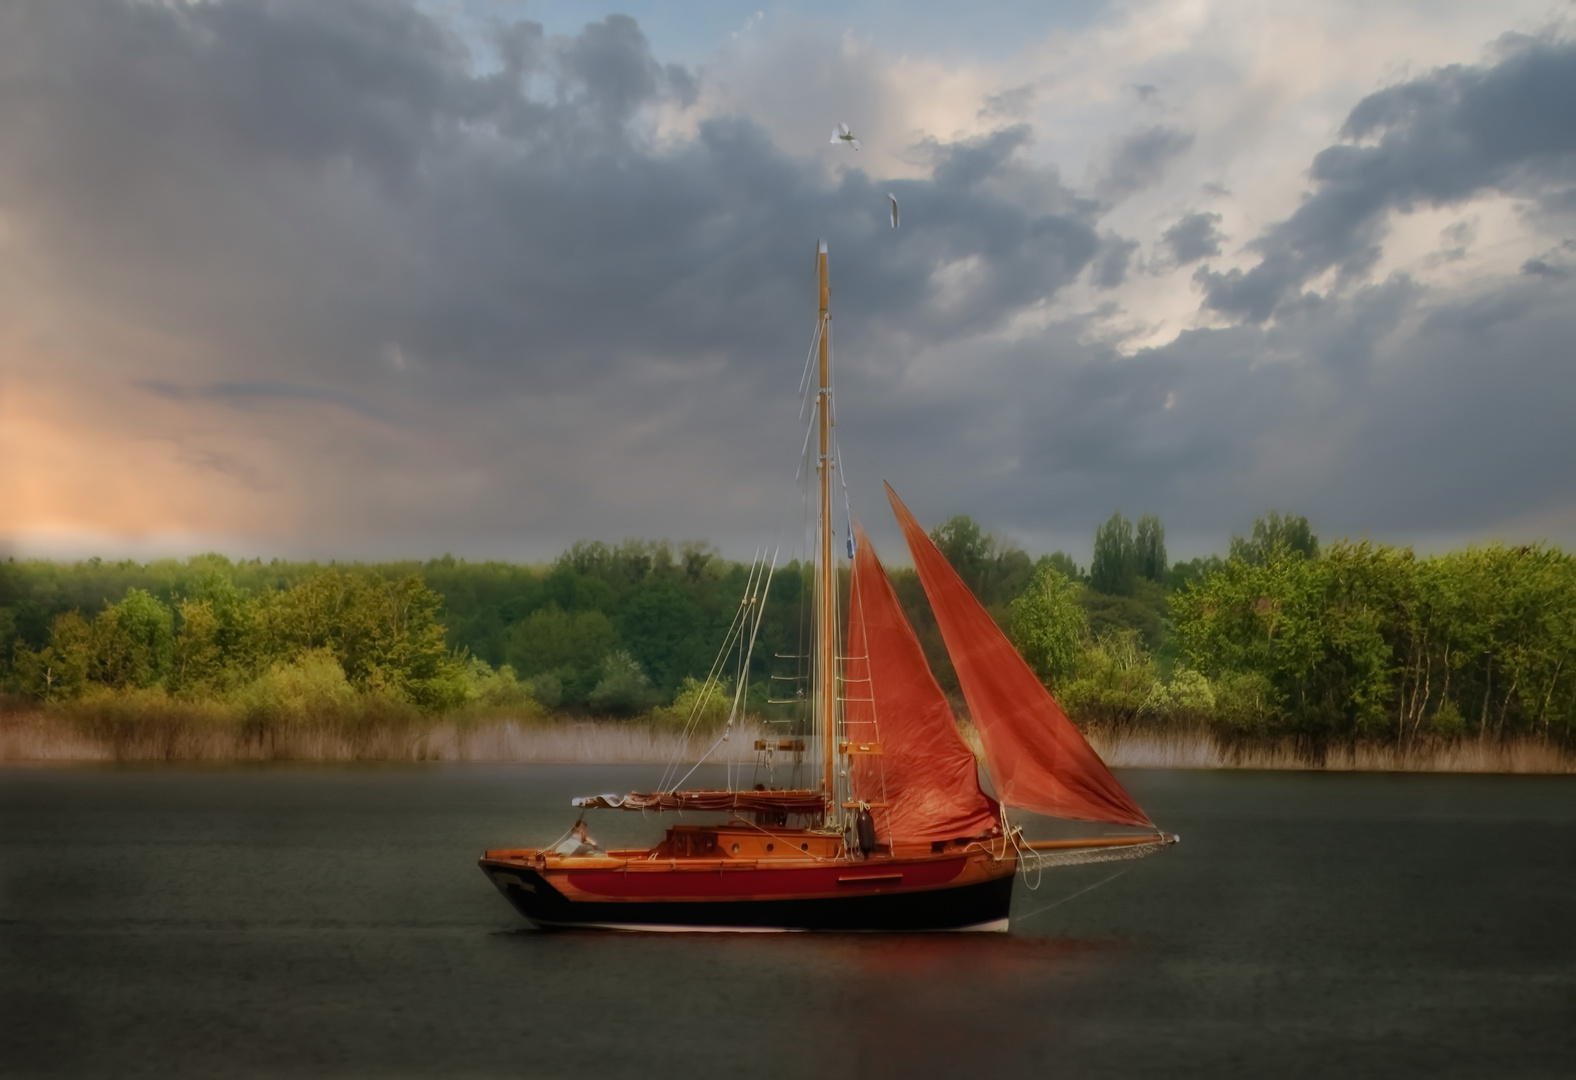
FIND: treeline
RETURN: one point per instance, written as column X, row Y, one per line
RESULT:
column 1278, row 637
column 325, row 643
column 617, row 630
column 1356, row 641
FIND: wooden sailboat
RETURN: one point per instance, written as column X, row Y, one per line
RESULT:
column 898, row 835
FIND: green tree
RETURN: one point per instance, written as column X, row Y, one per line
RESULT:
column 1150, row 549
column 1312, row 631
column 199, row 661
column 1115, row 561
column 1116, row 679
column 705, row 705
column 1064, row 565
column 59, row 670
column 309, row 686
column 666, row 633
column 236, row 633
column 623, row 688
column 1291, row 531
column 966, row 547
column 571, row 645
column 133, row 642
column 1144, row 612
column 1049, row 624
column 391, row 642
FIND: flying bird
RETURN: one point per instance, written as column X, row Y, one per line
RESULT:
column 891, row 198
column 841, row 134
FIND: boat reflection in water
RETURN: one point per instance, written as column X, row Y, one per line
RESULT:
column 898, row 835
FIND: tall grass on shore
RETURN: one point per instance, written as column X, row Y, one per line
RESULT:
column 131, row 729
column 122, row 729
column 1200, row 749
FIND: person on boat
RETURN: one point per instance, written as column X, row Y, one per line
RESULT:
column 578, row 842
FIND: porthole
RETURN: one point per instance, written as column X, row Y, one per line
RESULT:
column 804, row 846
column 771, row 847
column 735, row 849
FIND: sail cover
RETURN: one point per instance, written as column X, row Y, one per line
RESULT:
column 923, row 782
column 1038, row 759
column 757, row 802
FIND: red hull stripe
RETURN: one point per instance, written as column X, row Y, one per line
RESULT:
column 759, row 883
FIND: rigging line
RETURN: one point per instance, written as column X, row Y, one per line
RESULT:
column 1015, row 837
column 706, row 688
column 804, row 380
column 698, row 764
column 760, row 573
column 1074, row 896
column 749, row 651
column 815, row 339
column 734, row 629
column 751, row 589
column 831, row 372
column 804, row 451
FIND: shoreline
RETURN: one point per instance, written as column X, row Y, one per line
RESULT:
column 39, row 738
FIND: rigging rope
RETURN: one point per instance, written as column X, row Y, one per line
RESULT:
column 1072, row 896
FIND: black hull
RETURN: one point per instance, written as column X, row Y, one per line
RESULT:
column 981, row 905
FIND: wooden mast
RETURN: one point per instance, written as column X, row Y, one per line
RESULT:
column 827, row 586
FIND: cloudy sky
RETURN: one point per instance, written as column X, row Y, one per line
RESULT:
column 372, row 278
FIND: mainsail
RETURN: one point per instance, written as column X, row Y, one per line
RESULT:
column 1038, row 759
column 921, row 778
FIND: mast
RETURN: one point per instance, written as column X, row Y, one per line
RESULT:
column 826, row 591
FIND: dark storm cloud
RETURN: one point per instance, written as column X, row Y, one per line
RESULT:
column 507, row 306
column 1139, row 160
column 1109, row 268
column 1193, row 238
column 1437, row 140
column 309, row 184
column 1336, row 410
column 1545, row 268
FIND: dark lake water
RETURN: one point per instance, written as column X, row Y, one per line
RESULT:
column 331, row 921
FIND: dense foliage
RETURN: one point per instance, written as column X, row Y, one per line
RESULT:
column 1368, row 640
column 1282, row 637
column 207, row 637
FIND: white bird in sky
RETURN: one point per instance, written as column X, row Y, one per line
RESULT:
column 841, row 134
column 891, row 198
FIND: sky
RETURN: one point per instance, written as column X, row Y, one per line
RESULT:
column 384, row 279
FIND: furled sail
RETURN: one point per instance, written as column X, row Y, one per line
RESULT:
column 1038, row 759
column 738, row 802
column 921, row 780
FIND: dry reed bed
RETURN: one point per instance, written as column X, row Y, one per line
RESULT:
column 1200, row 750
column 39, row 736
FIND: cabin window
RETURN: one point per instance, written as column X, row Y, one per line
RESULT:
column 771, row 847
column 735, row 849
column 684, row 844
column 804, row 846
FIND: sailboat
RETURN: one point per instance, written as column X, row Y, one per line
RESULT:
column 898, row 834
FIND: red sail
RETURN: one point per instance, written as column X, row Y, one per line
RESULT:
column 922, row 770
column 1037, row 758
